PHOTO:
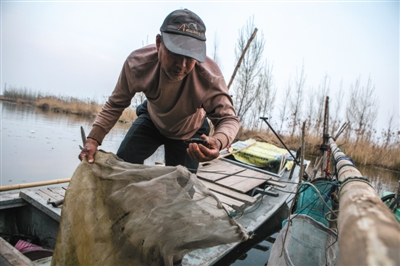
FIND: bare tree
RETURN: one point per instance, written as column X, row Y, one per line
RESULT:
column 266, row 102
column 265, row 99
column 283, row 110
column 310, row 109
column 390, row 133
column 323, row 91
column 215, row 53
column 247, row 85
column 362, row 109
column 335, row 118
column 296, row 101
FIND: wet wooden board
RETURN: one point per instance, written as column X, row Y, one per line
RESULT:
column 235, row 204
column 39, row 198
column 215, row 170
column 11, row 256
column 10, row 200
column 229, row 192
column 244, row 183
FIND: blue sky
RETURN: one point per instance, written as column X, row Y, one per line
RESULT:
column 78, row 48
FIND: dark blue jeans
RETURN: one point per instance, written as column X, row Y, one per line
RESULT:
column 143, row 139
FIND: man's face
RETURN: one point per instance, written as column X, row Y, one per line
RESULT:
column 175, row 66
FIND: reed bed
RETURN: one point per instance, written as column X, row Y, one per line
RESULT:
column 61, row 104
column 362, row 150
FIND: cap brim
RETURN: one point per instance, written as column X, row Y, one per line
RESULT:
column 185, row 45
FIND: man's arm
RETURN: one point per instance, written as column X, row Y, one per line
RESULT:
column 108, row 116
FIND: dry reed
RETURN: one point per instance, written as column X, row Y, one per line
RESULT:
column 364, row 152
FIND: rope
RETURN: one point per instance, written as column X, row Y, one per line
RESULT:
column 355, row 178
column 319, row 194
column 344, row 158
column 328, row 162
column 347, row 164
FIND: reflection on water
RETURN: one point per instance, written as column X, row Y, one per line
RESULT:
column 39, row 146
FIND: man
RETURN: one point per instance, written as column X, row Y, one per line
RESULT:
column 182, row 87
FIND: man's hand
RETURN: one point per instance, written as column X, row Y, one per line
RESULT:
column 201, row 153
column 89, row 150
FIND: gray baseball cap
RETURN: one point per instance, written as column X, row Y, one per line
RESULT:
column 184, row 33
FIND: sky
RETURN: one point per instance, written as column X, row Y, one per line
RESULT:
column 77, row 48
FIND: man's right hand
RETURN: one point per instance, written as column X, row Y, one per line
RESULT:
column 89, row 150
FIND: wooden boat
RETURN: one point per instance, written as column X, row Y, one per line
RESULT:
column 363, row 221
column 255, row 197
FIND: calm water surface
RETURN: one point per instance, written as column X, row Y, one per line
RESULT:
column 40, row 146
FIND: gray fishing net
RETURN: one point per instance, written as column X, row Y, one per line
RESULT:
column 305, row 242
column 117, row 213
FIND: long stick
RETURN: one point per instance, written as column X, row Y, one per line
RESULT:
column 242, row 56
column 35, row 184
column 283, row 143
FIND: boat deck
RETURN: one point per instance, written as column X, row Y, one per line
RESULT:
column 238, row 187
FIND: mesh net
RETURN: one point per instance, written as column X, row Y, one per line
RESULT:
column 305, row 242
column 116, row 213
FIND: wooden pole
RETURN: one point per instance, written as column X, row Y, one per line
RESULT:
column 303, row 130
column 241, row 57
column 369, row 234
column 325, row 137
column 34, row 184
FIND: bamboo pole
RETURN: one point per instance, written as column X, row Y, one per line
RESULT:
column 242, row 56
column 369, row 234
column 34, row 184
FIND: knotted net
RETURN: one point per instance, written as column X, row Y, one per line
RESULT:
column 117, row 213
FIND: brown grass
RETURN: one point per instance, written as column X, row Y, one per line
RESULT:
column 363, row 152
column 79, row 107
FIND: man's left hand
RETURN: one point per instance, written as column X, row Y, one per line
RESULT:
column 201, row 153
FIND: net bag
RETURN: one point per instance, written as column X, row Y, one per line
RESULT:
column 304, row 241
column 117, row 213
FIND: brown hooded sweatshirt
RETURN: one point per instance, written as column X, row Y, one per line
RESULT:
column 177, row 108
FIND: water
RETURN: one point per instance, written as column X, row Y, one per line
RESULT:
column 40, row 146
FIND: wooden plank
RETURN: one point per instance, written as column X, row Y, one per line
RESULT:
column 58, row 190
column 235, row 204
column 277, row 184
column 230, row 193
column 39, row 200
column 12, row 255
column 51, row 194
column 11, row 200
column 215, row 170
column 243, row 183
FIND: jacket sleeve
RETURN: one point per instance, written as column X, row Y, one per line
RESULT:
column 220, row 110
column 120, row 99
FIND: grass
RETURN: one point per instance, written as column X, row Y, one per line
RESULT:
column 61, row 104
column 363, row 151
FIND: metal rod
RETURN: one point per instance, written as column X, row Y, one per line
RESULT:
column 251, row 167
column 276, row 134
